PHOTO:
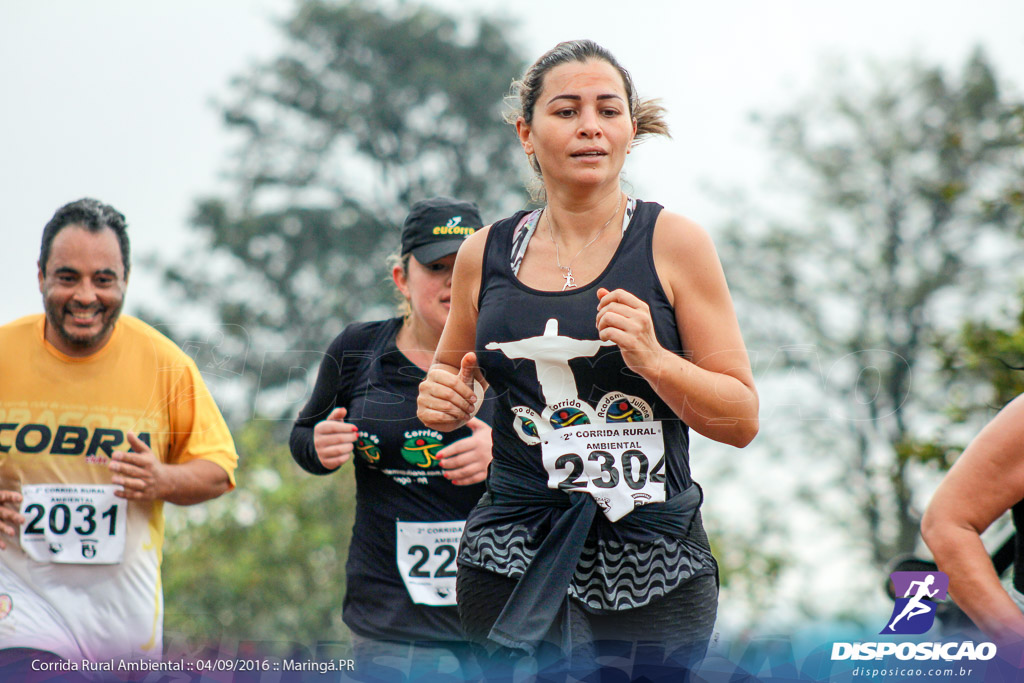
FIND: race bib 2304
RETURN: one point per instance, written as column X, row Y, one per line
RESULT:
column 621, row 465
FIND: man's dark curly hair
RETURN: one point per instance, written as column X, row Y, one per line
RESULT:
column 93, row 215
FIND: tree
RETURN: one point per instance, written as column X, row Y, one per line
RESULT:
column 365, row 112
column 265, row 562
column 984, row 367
column 899, row 220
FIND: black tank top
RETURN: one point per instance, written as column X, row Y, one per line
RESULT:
column 510, row 311
column 503, row 535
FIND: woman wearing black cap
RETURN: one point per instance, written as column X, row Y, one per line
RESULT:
column 606, row 330
column 414, row 485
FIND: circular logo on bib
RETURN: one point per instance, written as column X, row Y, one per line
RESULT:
column 569, row 416
column 6, row 604
column 528, row 425
column 619, row 407
column 623, row 411
column 367, row 450
column 421, row 450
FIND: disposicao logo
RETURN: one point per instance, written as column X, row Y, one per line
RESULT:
column 917, row 594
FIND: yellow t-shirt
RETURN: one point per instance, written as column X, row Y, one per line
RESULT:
column 60, row 419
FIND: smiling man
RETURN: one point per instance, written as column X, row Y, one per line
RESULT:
column 102, row 420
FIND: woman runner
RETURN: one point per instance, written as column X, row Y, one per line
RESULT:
column 604, row 325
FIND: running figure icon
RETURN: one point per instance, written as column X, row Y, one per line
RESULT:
column 915, row 607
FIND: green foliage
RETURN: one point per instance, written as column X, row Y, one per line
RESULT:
column 1013, row 192
column 899, row 222
column 366, row 111
column 749, row 570
column 984, row 364
column 266, row 561
column 940, row 454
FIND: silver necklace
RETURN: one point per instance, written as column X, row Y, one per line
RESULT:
column 570, row 281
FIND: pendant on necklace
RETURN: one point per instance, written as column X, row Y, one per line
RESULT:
column 570, row 282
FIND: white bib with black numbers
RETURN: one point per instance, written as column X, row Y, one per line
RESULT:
column 621, row 465
column 73, row 523
column 426, row 553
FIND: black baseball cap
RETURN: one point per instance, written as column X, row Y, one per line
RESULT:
column 437, row 227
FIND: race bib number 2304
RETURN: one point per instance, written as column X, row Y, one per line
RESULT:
column 621, row 465
column 73, row 523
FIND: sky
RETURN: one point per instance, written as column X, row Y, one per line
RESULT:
column 115, row 99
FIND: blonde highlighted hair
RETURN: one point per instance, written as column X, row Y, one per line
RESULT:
column 401, row 303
